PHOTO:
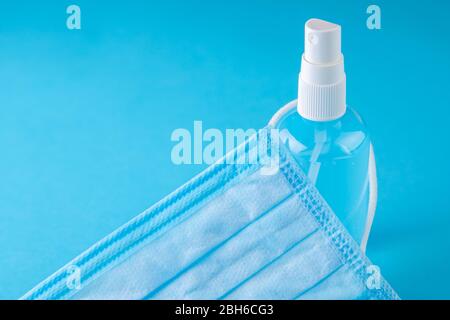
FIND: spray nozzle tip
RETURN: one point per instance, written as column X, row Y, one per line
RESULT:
column 322, row 41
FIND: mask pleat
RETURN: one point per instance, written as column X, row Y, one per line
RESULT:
column 257, row 245
column 301, row 267
column 341, row 284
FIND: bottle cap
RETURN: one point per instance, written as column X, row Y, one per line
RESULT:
column 322, row 82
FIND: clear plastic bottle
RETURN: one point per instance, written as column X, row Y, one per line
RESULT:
column 335, row 156
column 328, row 139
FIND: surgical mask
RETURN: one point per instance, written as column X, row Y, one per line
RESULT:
column 236, row 231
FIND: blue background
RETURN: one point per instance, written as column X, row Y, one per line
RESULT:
column 86, row 117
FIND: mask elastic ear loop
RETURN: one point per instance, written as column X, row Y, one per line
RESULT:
column 373, row 197
column 372, row 172
column 280, row 114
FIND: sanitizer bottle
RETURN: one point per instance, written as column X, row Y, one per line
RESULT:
column 329, row 139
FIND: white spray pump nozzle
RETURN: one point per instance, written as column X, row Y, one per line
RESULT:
column 322, row 42
column 322, row 83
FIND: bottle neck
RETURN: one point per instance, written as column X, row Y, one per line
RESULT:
column 322, row 90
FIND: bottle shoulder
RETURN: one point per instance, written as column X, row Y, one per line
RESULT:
column 339, row 138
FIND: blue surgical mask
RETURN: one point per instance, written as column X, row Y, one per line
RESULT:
column 236, row 231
